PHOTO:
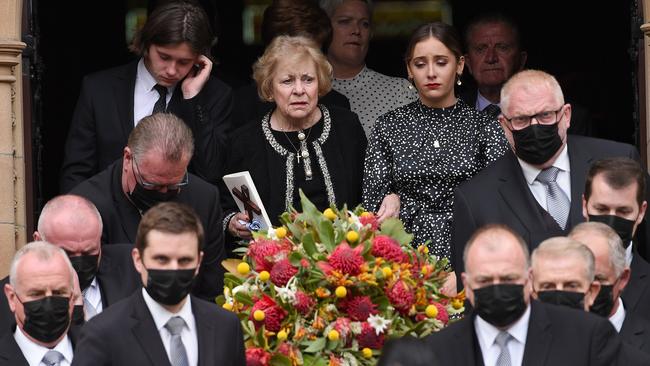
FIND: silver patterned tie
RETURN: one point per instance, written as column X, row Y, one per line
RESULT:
column 556, row 200
column 177, row 351
column 89, row 309
column 52, row 358
column 502, row 341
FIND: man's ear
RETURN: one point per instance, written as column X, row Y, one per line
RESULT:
column 591, row 294
column 37, row 236
column 642, row 210
column 10, row 293
column 585, row 214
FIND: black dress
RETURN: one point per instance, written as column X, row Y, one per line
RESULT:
column 336, row 146
column 423, row 154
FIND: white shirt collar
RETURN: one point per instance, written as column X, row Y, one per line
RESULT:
column 34, row 353
column 562, row 163
column 145, row 81
column 628, row 254
column 619, row 316
column 488, row 332
column 482, row 102
column 161, row 315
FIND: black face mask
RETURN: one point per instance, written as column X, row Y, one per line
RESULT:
column 144, row 199
column 86, row 268
column 623, row 227
column 575, row 300
column 604, row 301
column 169, row 286
column 536, row 144
column 47, row 319
column 500, row 305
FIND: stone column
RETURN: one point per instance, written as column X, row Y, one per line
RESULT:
column 645, row 28
column 12, row 164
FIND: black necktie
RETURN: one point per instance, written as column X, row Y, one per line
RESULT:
column 492, row 110
column 161, row 103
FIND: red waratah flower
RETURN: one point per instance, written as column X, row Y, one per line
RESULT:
column 304, row 303
column 359, row 307
column 369, row 338
column 266, row 252
column 282, row 272
column 401, row 297
column 387, row 248
column 443, row 316
column 257, row 357
column 369, row 220
column 347, row 260
column 273, row 314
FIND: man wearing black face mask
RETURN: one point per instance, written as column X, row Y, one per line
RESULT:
column 613, row 274
column 615, row 195
column 153, row 169
column 40, row 295
column 536, row 188
column 105, row 276
column 507, row 327
column 162, row 324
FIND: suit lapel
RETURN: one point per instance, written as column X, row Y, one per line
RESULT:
column 538, row 338
column 10, row 353
column 579, row 162
column 146, row 333
column 466, row 349
column 124, row 90
column 127, row 212
column 637, row 285
column 205, row 332
column 633, row 331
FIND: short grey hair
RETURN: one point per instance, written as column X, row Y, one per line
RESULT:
column 164, row 133
column 496, row 231
column 616, row 251
column 530, row 80
column 560, row 246
column 76, row 207
column 43, row 251
column 330, row 6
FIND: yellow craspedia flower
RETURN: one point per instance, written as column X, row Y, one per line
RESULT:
column 259, row 315
column 227, row 306
column 431, row 311
column 352, row 236
column 387, row 271
column 330, row 214
column 281, row 232
column 243, row 268
column 366, row 214
column 341, row 291
column 264, row 276
column 366, row 352
column 333, row 335
column 457, row 303
column 282, row 335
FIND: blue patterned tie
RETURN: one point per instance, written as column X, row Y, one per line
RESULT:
column 502, row 341
column 557, row 202
column 161, row 103
column 177, row 351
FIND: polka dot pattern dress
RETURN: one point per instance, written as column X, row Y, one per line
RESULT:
column 372, row 94
column 423, row 154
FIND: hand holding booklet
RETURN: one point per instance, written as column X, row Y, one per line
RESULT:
column 243, row 191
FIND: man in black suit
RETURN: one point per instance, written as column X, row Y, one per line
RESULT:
column 162, row 324
column 536, row 188
column 41, row 296
column 154, row 169
column 507, row 327
column 105, row 275
column 172, row 75
column 613, row 273
column 614, row 195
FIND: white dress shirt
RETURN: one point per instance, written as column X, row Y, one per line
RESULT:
column 482, row 102
column 563, row 177
column 188, row 335
column 628, row 255
column 34, row 353
column 93, row 295
column 619, row 316
column 144, row 95
column 487, row 335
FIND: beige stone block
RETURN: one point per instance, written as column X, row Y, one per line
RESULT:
column 6, row 127
column 19, row 189
column 10, row 18
column 21, row 237
column 7, row 249
column 7, row 198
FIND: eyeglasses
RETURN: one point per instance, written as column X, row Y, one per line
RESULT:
column 543, row 118
column 154, row 186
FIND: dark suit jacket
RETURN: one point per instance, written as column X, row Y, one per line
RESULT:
column 636, row 295
column 556, row 336
column 125, row 334
column 10, row 353
column 103, row 120
column 500, row 194
column 121, row 220
column 636, row 331
column 116, row 275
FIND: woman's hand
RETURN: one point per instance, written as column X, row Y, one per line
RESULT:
column 449, row 287
column 237, row 229
column 389, row 207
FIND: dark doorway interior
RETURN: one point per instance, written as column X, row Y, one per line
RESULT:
column 584, row 44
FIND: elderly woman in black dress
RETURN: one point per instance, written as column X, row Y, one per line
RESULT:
column 418, row 154
column 299, row 144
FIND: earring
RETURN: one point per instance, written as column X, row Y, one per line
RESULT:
column 410, row 79
column 458, row 82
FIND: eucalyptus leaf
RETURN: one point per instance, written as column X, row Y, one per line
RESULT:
column 280, row 360
column 316, row 345
column 394, row 228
